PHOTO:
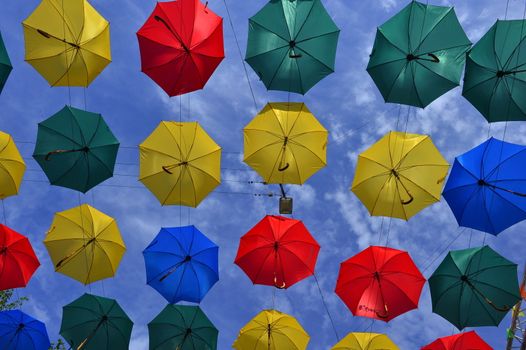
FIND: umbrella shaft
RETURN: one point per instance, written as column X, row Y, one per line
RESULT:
column 47, row 35
column 159, row 19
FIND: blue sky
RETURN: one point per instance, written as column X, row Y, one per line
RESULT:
column 347, row 103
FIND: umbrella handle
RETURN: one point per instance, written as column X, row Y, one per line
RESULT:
column 386, row 315
column 88, row 338
column 167, row 168
column 283, row 168
column 434, row 57
column 283, row 286
column 505, row 308
column 411, row 198
column 58, row 151
column 49, row 36
column 291, row 55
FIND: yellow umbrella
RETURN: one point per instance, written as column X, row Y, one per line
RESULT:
column 12, row 166
column 67, row 42
column 85, row 244
column 180, row 163
column 365, row 341
column 400, row 175
column 272, row 330
column 285, row 143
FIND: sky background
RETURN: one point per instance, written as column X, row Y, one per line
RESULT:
column 349, row 106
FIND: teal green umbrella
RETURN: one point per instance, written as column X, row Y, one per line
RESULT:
column 95, row 323
column 474, row 287
column 76, row 149
column 292, row 44
column 495, row 80
column 418, row 54
column 181, row 327
column 5, row 64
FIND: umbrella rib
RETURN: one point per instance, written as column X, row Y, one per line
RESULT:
column 9, row 176
column 196, row 45
column 413, row 81
column 317, row 36
column 67, row 69
column 106, row 255
column 437, row 74
column 513, row 204
column 63, row 16
column 42, row 125
column 303, row 146
column 495, row 287
column 517, row 47
column 447, row 13
column 417, row 185
column 483, row 81
column 314, row 58
column 196, row 279
column 277, row 70
column 502, row 162
column 304, row 22
column 141, row 147
column 251, row 20
column 256, row 277
column 266, row 52
column 402, row 159
column 379, row 193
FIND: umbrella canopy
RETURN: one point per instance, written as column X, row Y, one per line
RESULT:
column 462, row 341
column 400, row 175
column 418, row 54
column 495, row 79
column 474, row 287
column 486, row 189
column 292, row 44
column 85, row 244
column 18, row 261
column 181, row 264
column 95, row 323
column 181, row 45
column 365, row 341
column 380, row 283
column 182, row 327
column 285, row 143
column 5, row 64
column 67, row 42
column 277, row 252
column 272, row 330
column 20, row 331
column 12, row 166
column 180, row 163
column 76, row 149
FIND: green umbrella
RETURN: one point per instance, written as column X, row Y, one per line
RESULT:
column 495, row 80
column 474, row 287
column 180, row 327
column 98, row 323
column 5, row 64
column 418, row 54
column 292, row 44
column 76, row 149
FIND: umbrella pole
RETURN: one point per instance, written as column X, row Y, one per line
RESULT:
column 88, row 338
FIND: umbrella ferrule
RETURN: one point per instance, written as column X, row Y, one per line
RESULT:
column 3, row 250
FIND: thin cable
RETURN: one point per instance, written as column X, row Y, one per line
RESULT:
column 3, row 212
column 326, row 308
column 66, row 50
column 442, row 250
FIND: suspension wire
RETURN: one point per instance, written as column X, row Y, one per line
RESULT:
column 3, row 212
column 443, row 250
column 326, row 307
column 66, row 51
column 84, row 241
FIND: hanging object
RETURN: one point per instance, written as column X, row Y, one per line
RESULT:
column 67, row 42
column 418, row 54
column 180, row 163
column 5, row 64
column 400, row 175
column 95, row 323
column 463, row 341
column 474, row 287
column 181, row 264
column 292, row 44
column 181, row 45
column 85, row 244
column 277, row 252
column 182, row 327
column 19, row 331
column 487, row 187
column 18, row 261
column 272, row 330
column 12, row 167
column 380, row 283
column 365, row 341
column 76, row 149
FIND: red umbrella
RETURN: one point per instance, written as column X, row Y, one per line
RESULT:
column 462, row 341
column 17, row 259
column 181, row 45
column 278, row 252
column 380, row 283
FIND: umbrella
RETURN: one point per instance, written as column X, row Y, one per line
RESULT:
column 292, row 44
column 365, row 341
column 495, row 79
column 5, row 64
column 67, row 42
column 380, row 283
column 12, row 167
column 418, row 54
column 463, row 341
column 182, row 327
column 85, row 244
column 76, row 149
column 181, row 264
column 95, row 323
column 487, row 186
column 19, row 331
column 285, row 143
column 272, row 330
column 180, row 164
column 181, row 45
column 474, row 287
column 400, row 175
column 277, row 252
column 18, row 261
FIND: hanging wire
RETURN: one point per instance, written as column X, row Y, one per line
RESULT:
column 326, row 307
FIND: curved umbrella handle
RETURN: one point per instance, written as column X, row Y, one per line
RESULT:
column 165, row 168
column 386, row 315
column 58, row 151
column 283, row 286
column 434, row 57
column 410, row 200
column 283, row 168
column 297, row 55
column 505, row 308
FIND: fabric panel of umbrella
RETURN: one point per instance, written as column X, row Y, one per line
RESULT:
column 5, row 64
column 365, row 341
column 20, row 331
column 12, row 167
column 462, row 341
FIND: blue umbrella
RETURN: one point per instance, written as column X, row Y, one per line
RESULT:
column 487, row 186
column 181, row 264
column 21, row 331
